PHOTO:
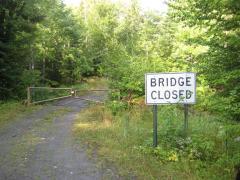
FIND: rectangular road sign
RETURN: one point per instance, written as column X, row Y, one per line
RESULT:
column 170, row 88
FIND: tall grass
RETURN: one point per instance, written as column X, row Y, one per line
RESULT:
column 91, row 83
column 12, row 110
column 125, row 141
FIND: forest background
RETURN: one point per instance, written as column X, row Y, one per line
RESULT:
column 45, row 43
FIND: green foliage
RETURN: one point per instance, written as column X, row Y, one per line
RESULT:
column 102, row 38
column 219, row 64
column 12, row 110
column 40, row 36
column 17, row 26
column 159, row 153
column 210, row 151
column 30, row 78
column 116, row 106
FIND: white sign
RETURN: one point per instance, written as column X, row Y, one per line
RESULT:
column 170, row 88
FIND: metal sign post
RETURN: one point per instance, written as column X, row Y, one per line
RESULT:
column 155, row 141
column 170, row 88
column 186, row 119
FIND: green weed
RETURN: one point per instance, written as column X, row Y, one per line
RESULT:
column 91, row 83
column 11, row 111
column 124, row 139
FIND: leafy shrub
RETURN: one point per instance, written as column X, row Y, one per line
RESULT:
column 161, row 154
column 28, row 78
column 116, row 106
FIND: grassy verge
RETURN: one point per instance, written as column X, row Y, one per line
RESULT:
column 92, row 83
column 125, row 141
column 10, row 111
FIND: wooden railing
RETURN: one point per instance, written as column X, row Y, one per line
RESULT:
column 70, row 92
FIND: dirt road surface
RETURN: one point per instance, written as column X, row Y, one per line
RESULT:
column 41, row 146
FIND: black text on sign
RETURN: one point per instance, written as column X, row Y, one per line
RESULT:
column 165, row 88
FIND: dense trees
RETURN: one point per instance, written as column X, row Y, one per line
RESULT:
column 40, row 43
column 17, row 27
column 44, row 42
column 219, row 23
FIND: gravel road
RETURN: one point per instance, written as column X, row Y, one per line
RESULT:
column 41, row 146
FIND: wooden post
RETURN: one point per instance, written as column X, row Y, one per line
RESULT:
column 28, row 96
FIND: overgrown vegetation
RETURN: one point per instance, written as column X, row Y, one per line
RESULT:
column 43, row 42
column 12, row 110
column 46, row 43
column 124, row 141
column 92, row 83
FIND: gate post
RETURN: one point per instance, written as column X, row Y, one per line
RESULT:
column 28, row 96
